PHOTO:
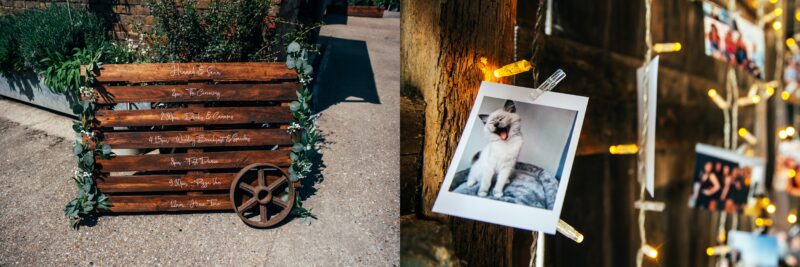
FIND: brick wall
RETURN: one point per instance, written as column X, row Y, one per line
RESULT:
column 128, row 17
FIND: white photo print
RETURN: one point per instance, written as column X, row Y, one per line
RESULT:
column 513, row 162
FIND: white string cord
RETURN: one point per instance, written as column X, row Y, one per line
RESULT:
column 643, row 136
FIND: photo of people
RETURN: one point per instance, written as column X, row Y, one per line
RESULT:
column 733, row 39
column 723, row 179
column 512, row 164
column 791, row 72
column 787, row 164
column 753, row 249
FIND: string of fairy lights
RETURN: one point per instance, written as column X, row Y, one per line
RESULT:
column 761, row 207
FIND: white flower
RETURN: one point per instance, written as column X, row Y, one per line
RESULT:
column 294, row 47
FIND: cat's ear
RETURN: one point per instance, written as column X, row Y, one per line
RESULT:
column 509, row 106
column 483, row 117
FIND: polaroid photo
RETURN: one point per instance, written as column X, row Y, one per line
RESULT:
column 787, row 164
column 649, row 147
column 733, row 39
column 514, row 159
column 752, row 249
column 724, row 180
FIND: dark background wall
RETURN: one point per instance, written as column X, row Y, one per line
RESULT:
column 599, row 44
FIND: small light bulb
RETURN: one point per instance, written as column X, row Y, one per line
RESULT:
column 667, row 47
column 790, row 131
column 712, row 92
column 782, row 134
column 756, row 99
column 785, row 95
column 791, row 173
column 623, row 149
column 771, row 208
column 777, row 25
column 792, row 218
column 778, row 11
column 790, row 42
column 649, row 251
column 797, row 15
column 773, row 1
column 513, row 68
column 770, row 91
column 759, row 222
column 742, row 132
column 710, row 251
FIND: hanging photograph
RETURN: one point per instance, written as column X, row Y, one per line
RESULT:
column 649, row 147
column 731, row 38
column 723, row 179
column 753, row 249
column 513, row 163
column 791, row 72
column 787, row 164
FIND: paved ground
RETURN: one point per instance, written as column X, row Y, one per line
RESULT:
column 357, row 203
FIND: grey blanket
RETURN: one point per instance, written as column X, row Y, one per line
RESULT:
column 530, row 186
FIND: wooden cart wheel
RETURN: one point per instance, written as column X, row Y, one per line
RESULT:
column 262, row 195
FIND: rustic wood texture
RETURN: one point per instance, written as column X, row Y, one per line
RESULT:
column 197, row 93
column 165, row 183
column 192, row 161
column 193, row 116
column 365, row 11
column 160, row 203
column 464, row 32
column 203, row 138
column 185, row 72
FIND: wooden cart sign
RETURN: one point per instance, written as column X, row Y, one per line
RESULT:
column 214, row 140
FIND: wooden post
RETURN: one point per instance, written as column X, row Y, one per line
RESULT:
column 447, row 39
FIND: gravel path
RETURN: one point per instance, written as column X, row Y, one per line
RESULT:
column 357, row 203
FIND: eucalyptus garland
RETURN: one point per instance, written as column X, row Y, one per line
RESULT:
column 88, row 199
column 303, row 128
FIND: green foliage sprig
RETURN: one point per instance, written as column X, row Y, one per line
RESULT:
column 303, row 127
column 88, row 199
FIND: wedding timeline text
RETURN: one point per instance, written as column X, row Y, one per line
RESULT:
column 201, row 139
column 194, row 92
column 201, row 183
column 197, row 70
column 194, row 203
column 191, row 116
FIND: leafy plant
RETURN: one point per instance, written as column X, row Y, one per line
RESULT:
column 10, row 60
column 57, row 29
column 88, row 199
column 303, row 127
column 62, row 73
column 228, row 31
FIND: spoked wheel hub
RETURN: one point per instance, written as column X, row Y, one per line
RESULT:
column 262, row 195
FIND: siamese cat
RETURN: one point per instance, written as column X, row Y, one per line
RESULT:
column 498, row 157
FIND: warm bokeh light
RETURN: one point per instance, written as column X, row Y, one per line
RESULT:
column 771, row 208
column 777, row 25
column 756, row 99
column 623, row 149
column 778, row 11
column 792, row 218
column 791, row 173
column 759, row 222
column 790, row 131
column 782, row 134
column 649, row 251
column 770, row 91
column 667, row 47
column 790, row 42
column 513, row 68
column 785, row 95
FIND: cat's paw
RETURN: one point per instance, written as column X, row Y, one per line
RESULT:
column 497, row 194
column 471, row 182
column 482, row 193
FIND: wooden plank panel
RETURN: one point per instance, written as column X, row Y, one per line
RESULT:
column 170, row 203
column 196, row 93
column 193, row 116
column 165, row 183
column 183, row 72
column 207, row 138
column 200, row 161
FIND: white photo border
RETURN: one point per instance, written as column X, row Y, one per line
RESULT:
column 504, row 213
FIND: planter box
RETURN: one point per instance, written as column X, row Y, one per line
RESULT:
column 358, row 11
column 30, row 89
